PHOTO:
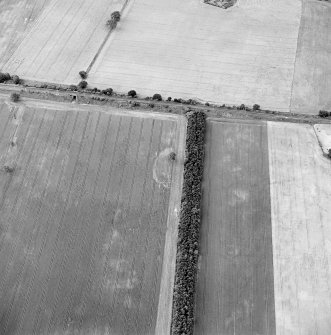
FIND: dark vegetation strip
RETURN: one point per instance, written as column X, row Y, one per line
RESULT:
column 189, row 227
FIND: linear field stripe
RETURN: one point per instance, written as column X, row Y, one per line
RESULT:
column 235, row 280
column 300, row 187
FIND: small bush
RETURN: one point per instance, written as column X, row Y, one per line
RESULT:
column 323, row 113
column 329, row 153
column 151, row 105
column 177, row 100
column 207, row 104
column 83, row 74
column 9, row 169
column 4, row 77
column 116, row 16
column 14, row 97
column 157, row 96
column 242, row 107
column 73, row 88
column 169, row 99
column 256, row 107
column 82, row 84
column 172, row 156
column 107, row 91
column 132, row 93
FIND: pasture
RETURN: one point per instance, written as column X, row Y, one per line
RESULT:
column 63, row 40
column 87, row 210
column 190, row 49
column 235, row 279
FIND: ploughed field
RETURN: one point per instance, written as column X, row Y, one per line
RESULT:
column 84, row 219
column 265, row 263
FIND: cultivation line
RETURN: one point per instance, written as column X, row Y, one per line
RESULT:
column 105, row 40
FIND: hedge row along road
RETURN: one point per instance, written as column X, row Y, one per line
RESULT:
column 87, row 207
column 189, row 227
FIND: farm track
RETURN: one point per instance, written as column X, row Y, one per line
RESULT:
column 83, row 220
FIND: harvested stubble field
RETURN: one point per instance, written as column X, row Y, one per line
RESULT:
column 16, row 18
column 86, row 215
column 300, row 188
column 265, row 234
column 188, row 49
column 62, row 41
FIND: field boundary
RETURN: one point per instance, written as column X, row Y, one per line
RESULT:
column 106, row 39
column 189, row 227
column 143, row 104
column 163, row 323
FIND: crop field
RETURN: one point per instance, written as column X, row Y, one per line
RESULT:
column 301, row 221
column 62, row 41
column 16, row 18
column 235, row 281
column 266, row 227
column 312, row 80
column 88, row 203
column 189, row 49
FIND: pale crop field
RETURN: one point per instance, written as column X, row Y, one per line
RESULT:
column 16, row 18
column 300, row 188
column 188, row 49
column 312, row 80
column 63, row 41
column 88, row 219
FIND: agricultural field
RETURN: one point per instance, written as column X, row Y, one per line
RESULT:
column 189, row 49
column 300, row 188
column 312, row 79
column 62, row 41
column 266, row 227
column 235, row 280
column 16, row 18
column 89, row 202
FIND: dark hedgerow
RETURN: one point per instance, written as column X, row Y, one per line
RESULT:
column 189, row 227
column 323, row 113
